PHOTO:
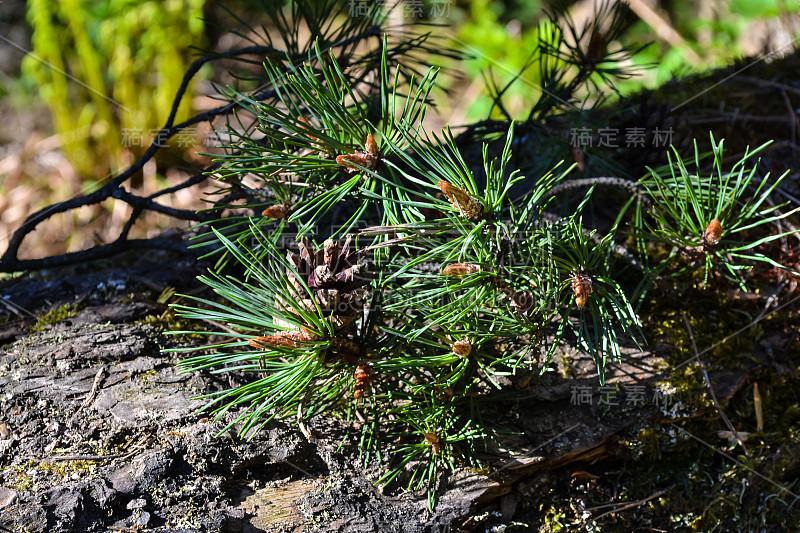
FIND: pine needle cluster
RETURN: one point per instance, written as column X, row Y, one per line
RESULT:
column 367, row 268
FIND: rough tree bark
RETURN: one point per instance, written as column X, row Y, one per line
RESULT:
column 100, row 431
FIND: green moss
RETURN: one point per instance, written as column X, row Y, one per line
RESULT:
column 66, row 468
column 169, row 321
column 17, row 477
column 719, row 323
column 54, row 316
column 566, row 366
column 145, row 379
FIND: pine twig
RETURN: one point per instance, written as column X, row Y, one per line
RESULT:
column 711, row 389
column 95, row 385
column 629, row 505
column 631, row 186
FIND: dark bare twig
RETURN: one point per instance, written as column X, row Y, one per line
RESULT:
column 10, row 262
column 96, row 252
column 629, row 505
column 631, row 186
column 95, row 457
column 95, row 385
column 142, row 203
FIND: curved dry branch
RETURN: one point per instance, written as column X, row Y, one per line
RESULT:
column 10, row 262
column 634, row 188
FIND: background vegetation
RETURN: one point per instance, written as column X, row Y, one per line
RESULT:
column 107, row 71
column 70, row 124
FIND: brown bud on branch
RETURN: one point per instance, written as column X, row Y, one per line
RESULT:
column 462, row 348
column 461, row 200
column 433, row 440
column 282, row 339
column 713, row 233
column 363, row 377
column 277, row 211
column 582, row 288
column 367, row 159
column 460, row 269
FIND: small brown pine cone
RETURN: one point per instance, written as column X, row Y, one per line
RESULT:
column 336, row 279
column 577, row 157
column 433, row 440
column 367, row 159
column 353, row 161
column 371, row 146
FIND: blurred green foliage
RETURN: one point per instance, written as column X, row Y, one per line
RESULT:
column 501, row 36
column 134, row 53
column 719, row 33
column 111, row 67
